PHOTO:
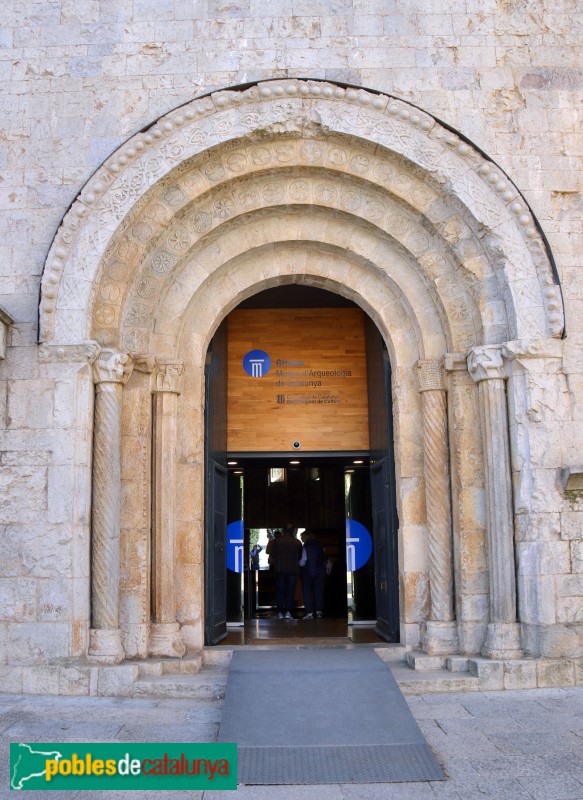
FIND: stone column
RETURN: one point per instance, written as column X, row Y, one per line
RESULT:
column 110, row 371
column 486, row 366
column 136, row 525
column 165, row 637
column 440, row 636
column 470, row 565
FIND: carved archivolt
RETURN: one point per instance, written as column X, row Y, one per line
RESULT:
column 282, row 151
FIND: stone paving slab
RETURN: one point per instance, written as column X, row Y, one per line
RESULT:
column 548, row 788
column 196, row 732
column 529, row 742
column 487, row 725
column 482, row 761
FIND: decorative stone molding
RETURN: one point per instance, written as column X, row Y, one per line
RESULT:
column 486, row 363
column 483, row 196
column 85, row 352
column 554, row 308
column 5, row 323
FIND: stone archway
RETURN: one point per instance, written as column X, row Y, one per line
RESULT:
column 300, row 181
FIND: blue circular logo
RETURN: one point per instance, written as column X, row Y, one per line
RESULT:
column 358, row 545
column 256, row 363
column 235, row 546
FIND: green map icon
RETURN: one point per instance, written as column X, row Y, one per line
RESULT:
column 28, row 764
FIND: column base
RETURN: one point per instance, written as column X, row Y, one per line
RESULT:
column 105, row 646
column 166, row 640
column 440, row 638
column 503, row 641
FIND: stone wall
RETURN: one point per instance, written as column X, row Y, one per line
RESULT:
column 80, row 76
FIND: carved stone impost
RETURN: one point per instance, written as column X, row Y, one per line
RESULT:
column 145, row 363
column 455, row 362
column 5, row 323
column 85, row 352
column 112, row 367
column 533, row 348
column 167, row 376
column 486, row 363
column 430, row 376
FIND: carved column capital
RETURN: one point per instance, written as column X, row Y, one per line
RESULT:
column 167, row 376
column 430, row 375
column 486, row 363
column 112, row 367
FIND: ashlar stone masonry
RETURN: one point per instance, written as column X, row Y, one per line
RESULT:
column 444, row 200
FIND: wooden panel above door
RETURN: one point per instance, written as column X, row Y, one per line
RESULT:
column 297, row 375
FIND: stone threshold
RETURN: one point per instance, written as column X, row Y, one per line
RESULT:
column 421, row 673
column 194, row 675
column 203, row 675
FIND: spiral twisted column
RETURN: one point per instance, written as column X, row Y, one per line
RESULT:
column 486, row 366
column 440, row 635
column 110, row 372
column 165, row 637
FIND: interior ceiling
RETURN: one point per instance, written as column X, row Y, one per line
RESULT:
column 296, row 296
column 306, row 460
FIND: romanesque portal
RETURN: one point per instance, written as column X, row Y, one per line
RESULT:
column 339, row 188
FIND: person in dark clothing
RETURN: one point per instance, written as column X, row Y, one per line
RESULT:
column 313, row 568
column 255, row 550
column 284, row 556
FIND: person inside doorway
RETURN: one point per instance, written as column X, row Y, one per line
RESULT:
column 313, row 571
column 284, row 554
column 255, row 550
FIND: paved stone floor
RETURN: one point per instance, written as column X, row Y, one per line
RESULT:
column 524, row 745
